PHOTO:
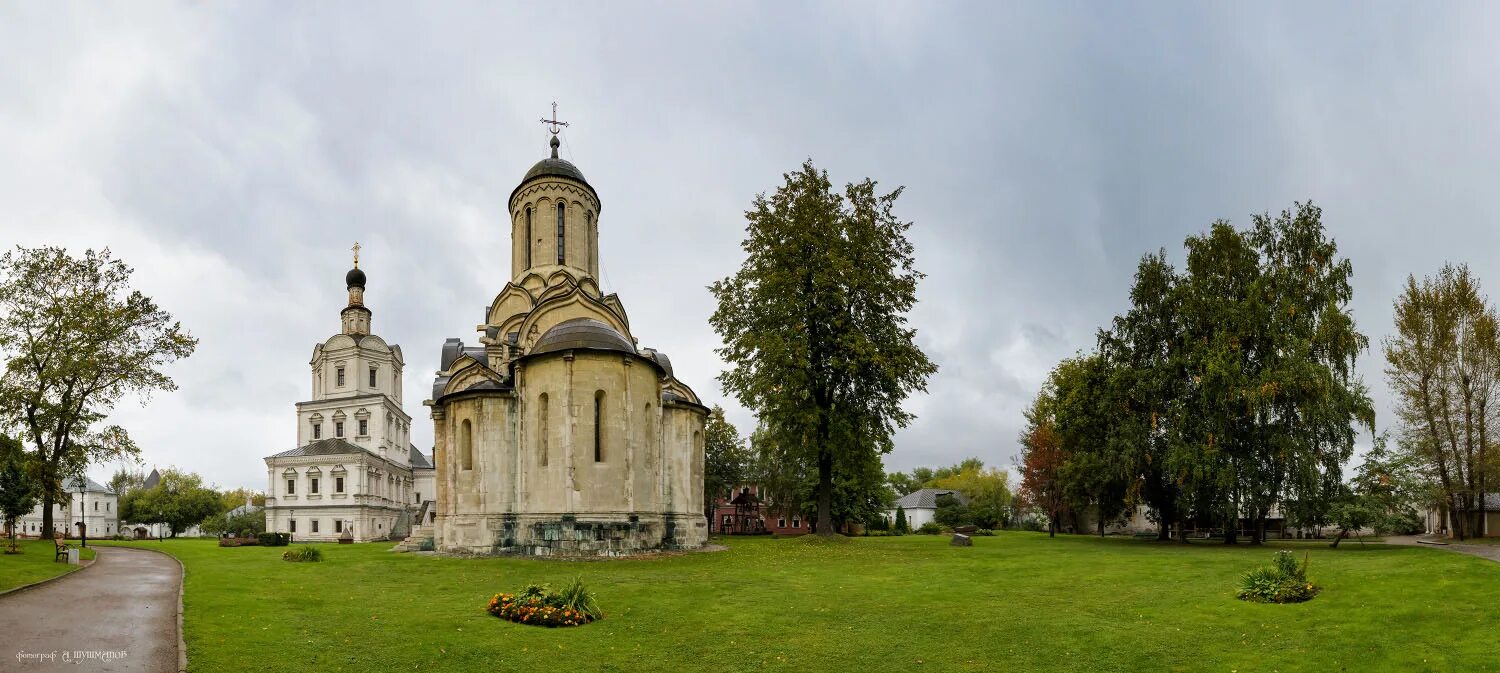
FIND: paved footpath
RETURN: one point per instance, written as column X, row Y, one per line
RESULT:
column 119, row 614
column 1487, row 551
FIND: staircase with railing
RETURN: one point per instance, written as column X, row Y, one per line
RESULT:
column 421, row 530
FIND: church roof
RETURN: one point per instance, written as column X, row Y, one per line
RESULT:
column 324, row 447
column 554, row 168
column 582, row 334
column 152, row 479
column 420, row 460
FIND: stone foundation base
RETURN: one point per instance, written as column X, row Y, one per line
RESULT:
column 588, row 535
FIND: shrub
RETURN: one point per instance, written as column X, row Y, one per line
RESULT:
column 273, row 539
column 1285, row 581
column 1033, row 524
column 303, row 554
column 930, row 528
column 538, row 605
column 247, row 533
column 985, row 532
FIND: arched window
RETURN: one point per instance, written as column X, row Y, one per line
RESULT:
column 466, row 445
column 599, row 426
column 562, row 208
column 650, row 430
column 541, row 429
column 528, row 237
column 588, row 240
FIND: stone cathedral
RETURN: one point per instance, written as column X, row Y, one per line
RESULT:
column 558, row 434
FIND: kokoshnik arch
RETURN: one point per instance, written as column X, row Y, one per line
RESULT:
column 557, row 434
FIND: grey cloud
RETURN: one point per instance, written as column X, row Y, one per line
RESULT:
column 235, row 152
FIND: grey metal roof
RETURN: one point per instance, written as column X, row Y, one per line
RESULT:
column 152, row 479
column 555, row 167
column 324, row 447
column 927, row 498
column 582, row 334
column 452, row 348
column 242, row 509
column 661, row 360
column 70, row 485
column 419, row 459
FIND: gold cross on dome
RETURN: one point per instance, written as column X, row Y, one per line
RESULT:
column 356, row 254
column 553, row 124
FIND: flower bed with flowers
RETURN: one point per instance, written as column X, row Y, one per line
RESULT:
column 538, row 605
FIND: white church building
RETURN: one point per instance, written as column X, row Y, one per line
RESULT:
column 354, row 472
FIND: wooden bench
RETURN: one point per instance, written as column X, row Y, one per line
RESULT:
column 62, row 550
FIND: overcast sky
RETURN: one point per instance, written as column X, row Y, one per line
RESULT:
column 232, row 153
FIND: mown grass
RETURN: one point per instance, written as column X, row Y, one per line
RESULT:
column 1016, row 601
column 35, row 563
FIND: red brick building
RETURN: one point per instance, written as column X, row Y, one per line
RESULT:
column 745, row 512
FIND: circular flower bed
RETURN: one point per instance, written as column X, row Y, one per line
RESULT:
column 538, row 605
column 533, row 611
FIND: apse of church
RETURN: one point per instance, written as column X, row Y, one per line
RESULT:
column 557, row 433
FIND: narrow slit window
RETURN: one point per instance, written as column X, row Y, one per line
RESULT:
column 528, row 237
column 562, row 209
column 541, row 425
column 599, row 426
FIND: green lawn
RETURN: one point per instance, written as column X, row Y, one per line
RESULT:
column 1016, row 602
column 34, row 563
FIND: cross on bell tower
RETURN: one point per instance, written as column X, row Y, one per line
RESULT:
column 554, row 126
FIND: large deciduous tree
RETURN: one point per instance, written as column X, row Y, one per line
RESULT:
column 1272, row 406
column 1143, row 350
column 1443, row 363
column 179, row 500
column 1222, row 392
column 726, row 461
column 77, row 339
column 815, row 329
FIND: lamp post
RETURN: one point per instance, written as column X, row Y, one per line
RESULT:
column 83, row 528
column 292, row 524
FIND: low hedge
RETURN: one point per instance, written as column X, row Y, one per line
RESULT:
column 274, row 539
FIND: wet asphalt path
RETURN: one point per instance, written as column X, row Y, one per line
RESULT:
column 119, row 614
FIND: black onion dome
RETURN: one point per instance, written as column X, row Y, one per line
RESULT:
column 582, row 334
column 355, row 278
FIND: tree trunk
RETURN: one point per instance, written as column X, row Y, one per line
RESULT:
column 1101, row 526
column 825, row 493
column 47, row 516
column 1052, row 525
column 1232, row 528
column 1337, row 538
